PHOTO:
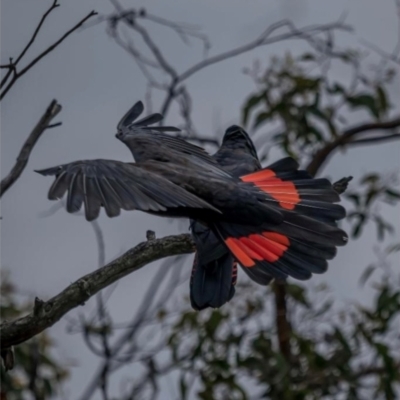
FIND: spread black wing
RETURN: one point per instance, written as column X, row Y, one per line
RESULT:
column 116, row 185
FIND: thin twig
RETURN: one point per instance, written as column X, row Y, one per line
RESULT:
column 35, row 33
column 22, row 160
column 156, row 51
column 20, row 73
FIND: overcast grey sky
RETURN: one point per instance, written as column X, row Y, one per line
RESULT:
column 96, row 82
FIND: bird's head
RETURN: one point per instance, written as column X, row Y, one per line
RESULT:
column 235, row 135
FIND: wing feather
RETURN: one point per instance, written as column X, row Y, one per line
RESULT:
column 116, row 185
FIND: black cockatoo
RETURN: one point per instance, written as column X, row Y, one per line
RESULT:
column 214, row 271
column 275, row 222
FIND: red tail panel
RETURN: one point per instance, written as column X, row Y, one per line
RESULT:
column 238, row 252
column 268, row 246
column 284, row 192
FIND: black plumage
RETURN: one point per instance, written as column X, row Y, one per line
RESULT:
column 275, row 222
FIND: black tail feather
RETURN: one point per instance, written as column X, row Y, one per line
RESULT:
column 212, row 285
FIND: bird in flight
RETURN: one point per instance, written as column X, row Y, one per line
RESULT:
column 274, row 222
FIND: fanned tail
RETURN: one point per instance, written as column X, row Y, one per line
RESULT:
column 295, row 190
column 306, row 238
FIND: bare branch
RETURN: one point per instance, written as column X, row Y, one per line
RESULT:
column 18, row 74
column 35, row 33
column 322, row 155
column 129, row 334
column 156, row 51
column 22, row 160
column 22, row 329
column 263, row 40
column 375, row 140
column 283, row 30
column 11, row 69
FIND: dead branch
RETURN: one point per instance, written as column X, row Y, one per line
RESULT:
column 22, row 160
column 22, row 329
column 12, row 67
column 157, row 60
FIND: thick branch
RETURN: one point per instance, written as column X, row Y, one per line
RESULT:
column 322, row 155
column 51, row 311
column 22, row 160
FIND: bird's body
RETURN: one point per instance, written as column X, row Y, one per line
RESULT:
column 214, row 272
column 276, row 222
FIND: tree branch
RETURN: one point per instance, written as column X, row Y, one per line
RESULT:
column 35, row 33
column 22, row 329
column 22, row 160
column 18, row 74
column 283, row 327
column 282, row 30
column 266, row 39
column 13, row 64
column 322, row 155
column 377, row 139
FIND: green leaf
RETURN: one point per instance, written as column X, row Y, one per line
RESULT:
column 382, row 227
column 355, row 198
column 366, row 274
column 394, row 194
column 297, row 293
column 214, row 322
column 307, row 57
column 336, row 89
column 371, row 195
column 382, row 101
column 365, row 101
column 359, row 225
column 370, row 178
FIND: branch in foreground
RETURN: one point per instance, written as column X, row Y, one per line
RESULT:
column 51, row 311
column 22, row 160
